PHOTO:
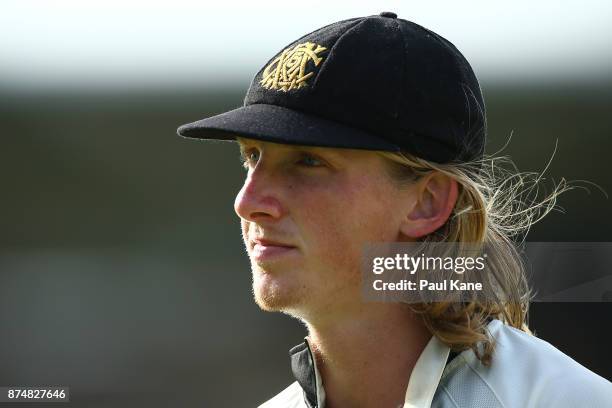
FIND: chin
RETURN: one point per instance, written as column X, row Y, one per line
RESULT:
column 272, row 294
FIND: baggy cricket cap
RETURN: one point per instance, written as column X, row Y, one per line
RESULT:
column 377, row 82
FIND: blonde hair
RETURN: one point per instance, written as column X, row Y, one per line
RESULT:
column 496, row 206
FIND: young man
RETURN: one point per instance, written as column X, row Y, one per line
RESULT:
column 372, row 130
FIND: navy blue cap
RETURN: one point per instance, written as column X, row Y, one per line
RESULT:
column 376, row 83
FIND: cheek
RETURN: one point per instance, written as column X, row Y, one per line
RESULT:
column 338, row 223
column 244, row 226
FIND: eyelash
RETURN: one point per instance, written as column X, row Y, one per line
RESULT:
column 245, row 159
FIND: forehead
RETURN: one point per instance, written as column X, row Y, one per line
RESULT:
column 353, row 154
column 246, row 142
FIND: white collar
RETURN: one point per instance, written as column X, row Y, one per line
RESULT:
column 426, row 374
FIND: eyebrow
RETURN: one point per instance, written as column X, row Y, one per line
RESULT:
column 244, row 144
column 336, row 154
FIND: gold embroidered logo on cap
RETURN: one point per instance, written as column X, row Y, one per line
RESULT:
column 288, row 70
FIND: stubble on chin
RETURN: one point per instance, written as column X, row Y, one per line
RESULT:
column 274, row 295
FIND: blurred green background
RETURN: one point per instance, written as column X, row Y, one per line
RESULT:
column 122, row 271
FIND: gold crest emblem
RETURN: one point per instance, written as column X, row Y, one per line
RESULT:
column 288, row 70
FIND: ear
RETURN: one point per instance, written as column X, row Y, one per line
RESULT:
column 436, row 195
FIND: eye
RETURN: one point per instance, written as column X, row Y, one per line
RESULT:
column 308, row 160
column 249, row 158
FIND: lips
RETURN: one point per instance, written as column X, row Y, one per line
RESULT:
column 263, row 249
column 269, row 243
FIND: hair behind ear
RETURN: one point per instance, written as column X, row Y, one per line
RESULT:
column 496, row 205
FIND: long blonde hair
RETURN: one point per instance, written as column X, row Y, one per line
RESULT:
column 496, row 206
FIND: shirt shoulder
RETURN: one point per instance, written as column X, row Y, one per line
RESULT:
column 290, row 397
column 525, row 372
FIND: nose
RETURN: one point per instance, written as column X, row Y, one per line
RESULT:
column 258, row 199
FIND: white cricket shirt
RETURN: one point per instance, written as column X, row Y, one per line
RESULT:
column 526, row 372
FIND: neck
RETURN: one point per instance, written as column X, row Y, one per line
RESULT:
column 366, row 358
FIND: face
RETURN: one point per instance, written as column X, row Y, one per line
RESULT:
column 305, row 213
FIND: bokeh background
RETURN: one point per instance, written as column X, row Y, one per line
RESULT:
column 122, row 272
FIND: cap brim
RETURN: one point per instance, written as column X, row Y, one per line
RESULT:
column 277, row 124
